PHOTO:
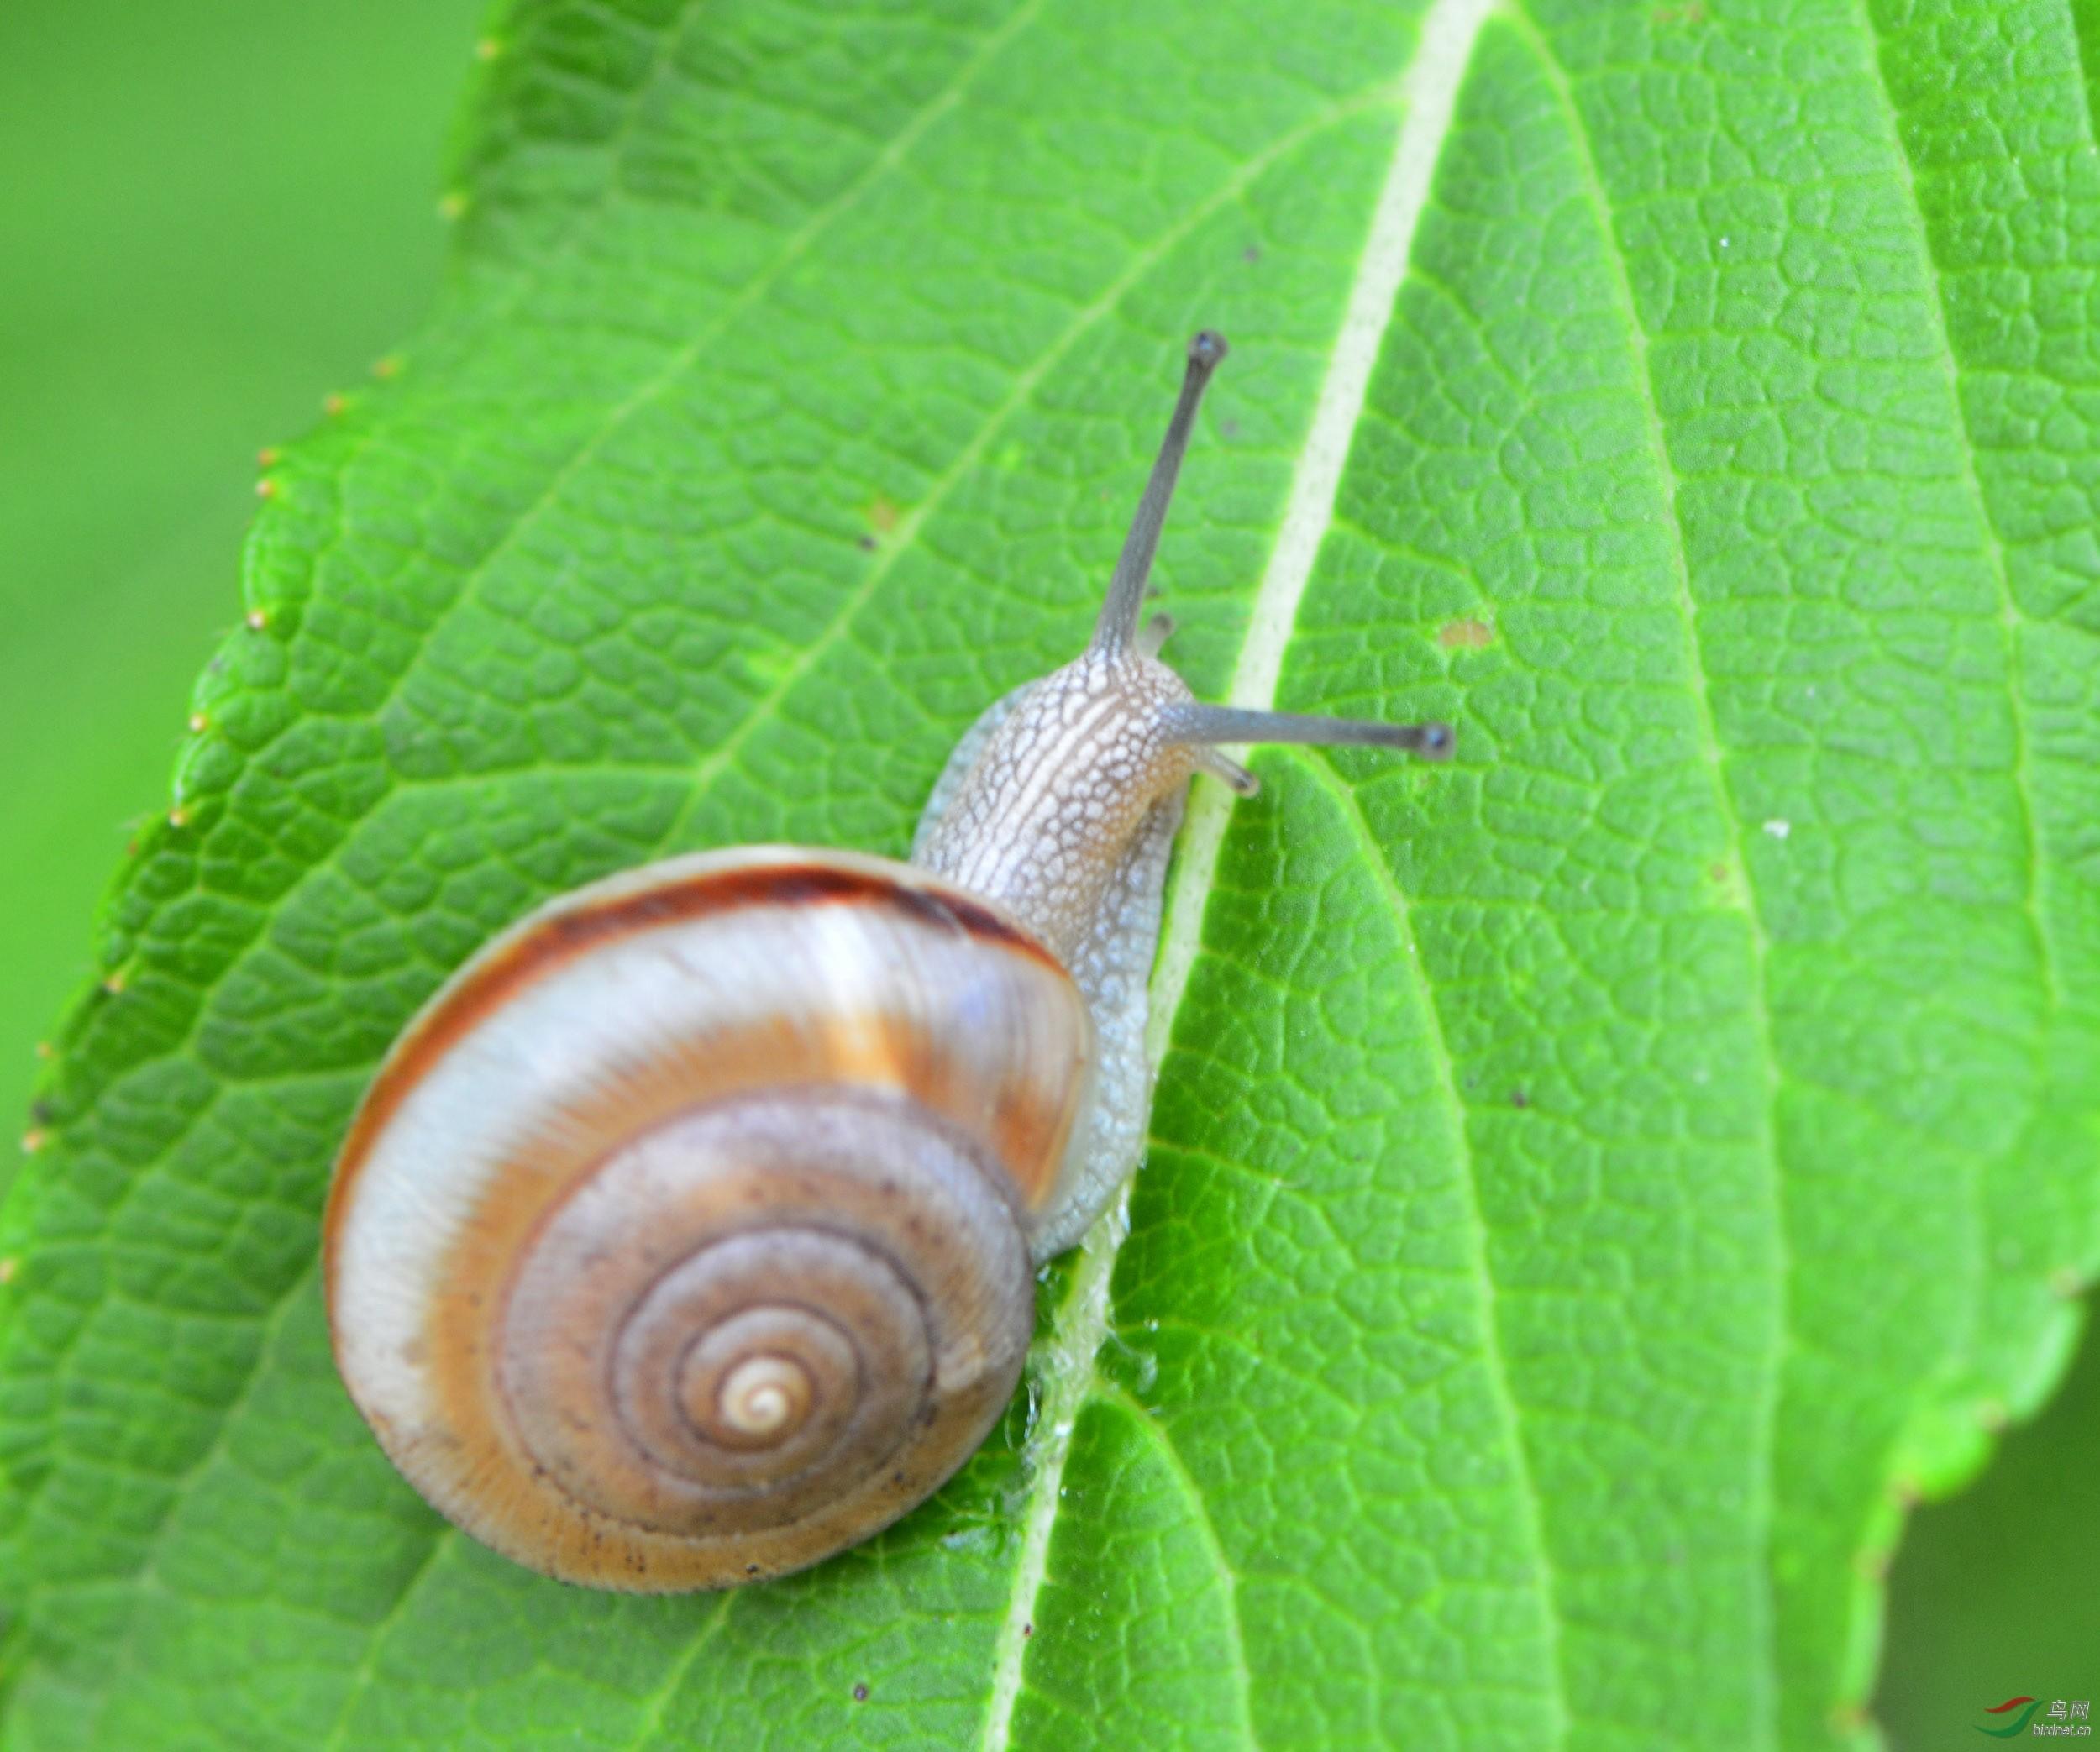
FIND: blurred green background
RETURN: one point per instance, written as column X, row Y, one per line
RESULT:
column 213, row 213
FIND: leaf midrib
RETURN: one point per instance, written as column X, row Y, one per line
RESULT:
column 1428, row 91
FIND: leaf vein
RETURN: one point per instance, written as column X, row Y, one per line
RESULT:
column 1764, row 1666
column 1475, row 1228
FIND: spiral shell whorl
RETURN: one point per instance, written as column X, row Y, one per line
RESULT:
column 787, row 1316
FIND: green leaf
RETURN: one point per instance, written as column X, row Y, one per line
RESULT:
column 1593, row 1185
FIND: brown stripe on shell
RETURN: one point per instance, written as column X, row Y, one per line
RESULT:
column 542, row 944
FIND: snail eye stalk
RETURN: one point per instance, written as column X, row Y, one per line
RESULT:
column 1193, row 722
column 1116, row 632
column 1117, row 628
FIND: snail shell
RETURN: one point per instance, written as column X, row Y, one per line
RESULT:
column 685, row 1238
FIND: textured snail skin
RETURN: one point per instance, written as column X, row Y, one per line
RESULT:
column 1112, row 859
column 683, row 1238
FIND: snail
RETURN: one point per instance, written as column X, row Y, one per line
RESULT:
column 688, row 1235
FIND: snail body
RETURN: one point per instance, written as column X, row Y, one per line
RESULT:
column 687, row 1235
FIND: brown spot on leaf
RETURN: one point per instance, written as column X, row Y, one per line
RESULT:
column 1466, row 633
column 882, row 514
column 860, row 1694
